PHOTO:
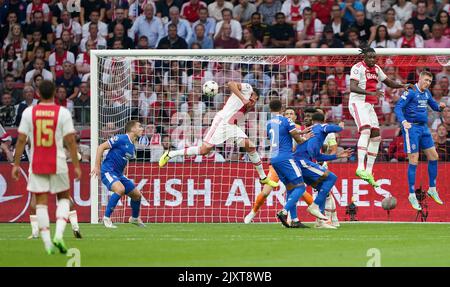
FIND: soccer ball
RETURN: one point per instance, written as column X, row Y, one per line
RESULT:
column 389, row 203
column 210, row 88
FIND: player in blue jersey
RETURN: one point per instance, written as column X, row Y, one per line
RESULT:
column 314, row 174
column 121, row 150
column 411, row 111
column 281, row 131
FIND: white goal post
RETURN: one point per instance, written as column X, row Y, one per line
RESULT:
column 275, row 56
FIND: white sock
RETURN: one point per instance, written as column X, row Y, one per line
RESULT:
column 34, row 225
column 256, row 160
column 372, row 152
column 432, row 188
column 333, row 203
column 44, row 224
column 73, row 218
column 195, row 150
column 62, row 213
column 363, row 142
column 328, row 206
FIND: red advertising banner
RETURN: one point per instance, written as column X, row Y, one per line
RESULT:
column 15, row 199
column 224, row 192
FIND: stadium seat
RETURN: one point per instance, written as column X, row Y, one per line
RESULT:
column 85, row 134
column 12, row 132
column 388, row 133
column 348, row 137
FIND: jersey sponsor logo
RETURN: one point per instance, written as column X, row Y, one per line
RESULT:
column 371, row 76
column 422, row 103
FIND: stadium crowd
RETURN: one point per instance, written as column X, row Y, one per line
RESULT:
column 49, row 39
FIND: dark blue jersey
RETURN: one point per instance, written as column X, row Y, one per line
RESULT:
column 311, row 149
column 278, row 130
column 413, row 106
column 122, row 150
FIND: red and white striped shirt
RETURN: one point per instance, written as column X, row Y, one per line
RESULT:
column 46, row 125
column 368, row 79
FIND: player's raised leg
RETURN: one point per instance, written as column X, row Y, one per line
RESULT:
column 432, row 157
column 204, row 149
column 256, row 160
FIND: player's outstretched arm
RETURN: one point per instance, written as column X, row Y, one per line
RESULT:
column 20, row 147
column 437, row 107
column 299, row 138
column 332, row 128
column 71, row 144
column 394, row 85
column 98, row 158
column 235, row 88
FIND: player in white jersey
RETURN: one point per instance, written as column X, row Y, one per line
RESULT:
column 224, row 126
column 364, row 79
column 47, row 125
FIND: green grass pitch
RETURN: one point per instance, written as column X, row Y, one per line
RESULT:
column 236, row 245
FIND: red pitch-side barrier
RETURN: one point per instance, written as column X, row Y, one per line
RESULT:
column 207, row 195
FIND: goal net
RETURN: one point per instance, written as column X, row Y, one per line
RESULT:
column 162, row 89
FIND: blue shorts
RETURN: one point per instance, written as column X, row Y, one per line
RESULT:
column 418, row 136
column 109, row 178
column 311, row 171
column 288, row 171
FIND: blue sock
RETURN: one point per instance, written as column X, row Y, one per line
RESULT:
column 412, row 177
column 293, row 197
column 112, row 204
column 432, row 172
column 135, row 208
column 293, row 212
column 324, row 189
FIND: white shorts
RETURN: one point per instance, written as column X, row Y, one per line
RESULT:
column 53, row 183
column 364, row 115
column 220, row 131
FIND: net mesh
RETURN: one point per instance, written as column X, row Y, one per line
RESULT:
column 165, row 95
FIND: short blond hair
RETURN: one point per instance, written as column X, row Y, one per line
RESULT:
column 426, row 73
